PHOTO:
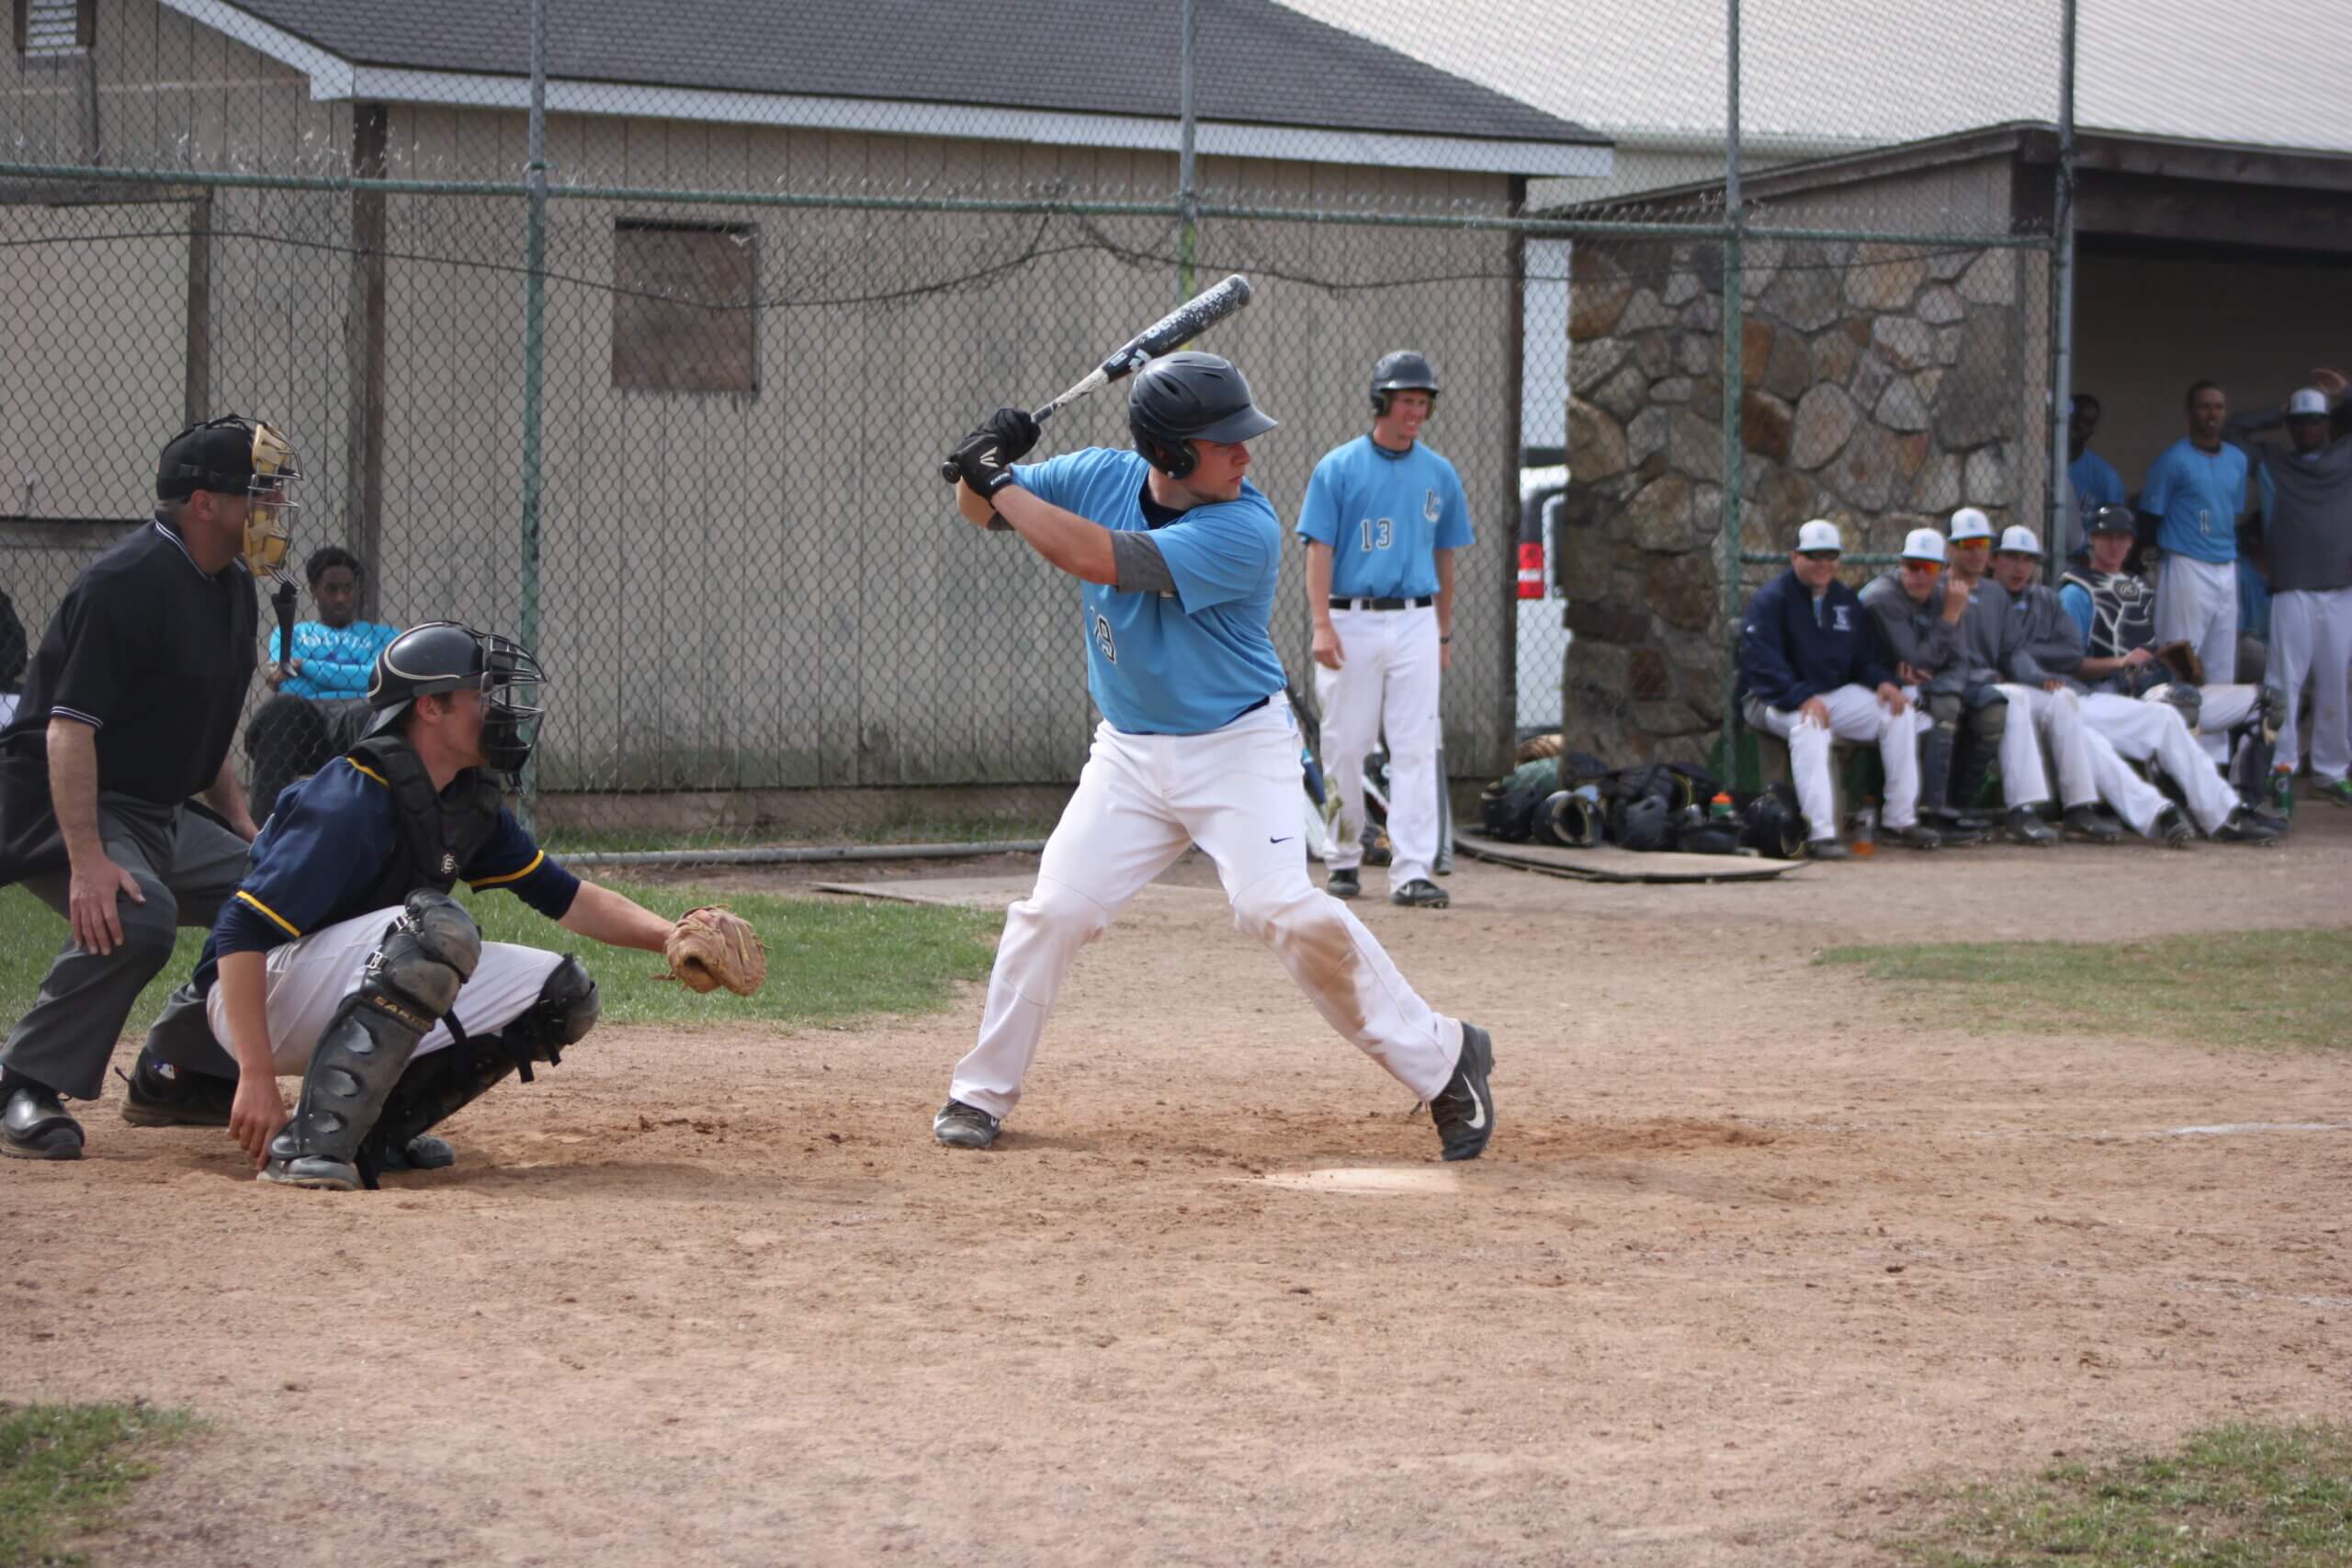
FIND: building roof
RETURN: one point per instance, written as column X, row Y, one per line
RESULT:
column 1273, row 83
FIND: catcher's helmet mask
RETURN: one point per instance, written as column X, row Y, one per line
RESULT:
column 1405, row 370
column 439, row 657
column 1186, row 397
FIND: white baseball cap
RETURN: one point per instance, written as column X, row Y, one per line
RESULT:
column 1968, row 523
column 2308, row 403
column 1923, row 544
column 2016, row 539
column 1819, row 534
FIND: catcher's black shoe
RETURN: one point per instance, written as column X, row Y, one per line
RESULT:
column 2172, row 830
column 1343, row 883
column 424, row 1152
column 34, row 1125
column 157, row 1094
column 1465, row 1110
column 962, row 1126
column 1420, row 894
column 2085, row 823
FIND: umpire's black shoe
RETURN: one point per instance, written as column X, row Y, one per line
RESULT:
column 1343, row 883
column 1463, row 1111
column 34, row 1125
column 962, row 1126
column 2087, row 825
column 1420, row 894
column 157, row 1094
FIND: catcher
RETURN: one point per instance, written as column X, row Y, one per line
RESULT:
column 342, row 956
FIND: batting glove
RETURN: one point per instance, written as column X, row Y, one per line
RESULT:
column 986, row 457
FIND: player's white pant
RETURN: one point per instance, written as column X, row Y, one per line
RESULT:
column 2054, row 718
column 309, row 978
column 2197, row 602
column 2137, row 730
column 2219, row 709
column 1387, row 681
column 1855, row 714
column 1141, row 799
column 2311, row 641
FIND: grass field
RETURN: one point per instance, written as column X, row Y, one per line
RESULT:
column 2257, row 988
column 829, row 961
column 64, row 1467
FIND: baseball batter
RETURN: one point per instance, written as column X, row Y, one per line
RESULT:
column 1383, row 517
column 342, row 957
column 1177, row 551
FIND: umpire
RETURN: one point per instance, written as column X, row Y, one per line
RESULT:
column 129, row 709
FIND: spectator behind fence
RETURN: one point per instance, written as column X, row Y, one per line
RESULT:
column 14, row 652
column 2092, row 481
column 321, row 702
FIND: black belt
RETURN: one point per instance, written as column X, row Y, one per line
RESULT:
column 1338, row 604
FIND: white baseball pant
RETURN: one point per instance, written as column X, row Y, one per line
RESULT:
column 1140, row 801
column 1386, row 682
column 2053, row 718
column 2197, row 602
column 2219, row 709
column 1855, row 714
column 2311, row 640
column 308, row 978
column 2137, row 730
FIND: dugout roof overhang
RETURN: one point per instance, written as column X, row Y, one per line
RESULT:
column 1072, row 72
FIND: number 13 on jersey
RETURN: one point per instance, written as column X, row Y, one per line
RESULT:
column 1379, row 533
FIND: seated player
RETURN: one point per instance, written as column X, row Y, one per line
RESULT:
column 321, row 702
column 342, row 956
column 1813, row 664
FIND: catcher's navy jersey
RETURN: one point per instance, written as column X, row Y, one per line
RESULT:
column 323, row 848
column 1385, row 514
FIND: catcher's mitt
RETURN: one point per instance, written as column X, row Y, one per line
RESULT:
column 714, row 946
column 2180, row 659
column 1536, row 748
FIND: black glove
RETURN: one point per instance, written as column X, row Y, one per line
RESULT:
column 985, row 458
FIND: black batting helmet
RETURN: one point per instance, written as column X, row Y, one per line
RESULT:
column 443, row 656
column 1405, row 370
column 2113, row 520
column 1186, row 397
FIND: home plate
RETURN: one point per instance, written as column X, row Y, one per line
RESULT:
column 1370, row 1179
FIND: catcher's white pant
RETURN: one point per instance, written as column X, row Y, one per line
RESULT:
column 1855, row 714
column 1140, row 801
column 2219, row 709
column 1387, row 682
column 2137, row 730
column 308, row 978
column 2197, row 602
column 2055, row 719
column 2311, row 640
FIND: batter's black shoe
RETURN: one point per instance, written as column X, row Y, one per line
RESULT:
column 1343, row 883
column 2245, row 827
column 2172, row 830
column 157, row 1094
column 2024, row 828
column 1420, row 894
column 1463, row 1111
column 34, row 1125
column 962, row 1126
column 2086, row 824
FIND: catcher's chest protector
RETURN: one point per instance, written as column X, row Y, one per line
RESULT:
column 438, row 833
column 2123, row 611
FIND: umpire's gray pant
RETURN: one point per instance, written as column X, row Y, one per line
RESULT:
column 187, row 865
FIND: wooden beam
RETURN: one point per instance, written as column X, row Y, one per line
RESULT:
column 363, row 354
column 195, row 393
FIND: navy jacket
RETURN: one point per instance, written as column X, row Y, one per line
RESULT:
column 1787, row 654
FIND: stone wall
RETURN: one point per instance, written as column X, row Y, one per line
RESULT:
column 1882, row 389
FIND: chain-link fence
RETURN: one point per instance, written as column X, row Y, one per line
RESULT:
column 676, row 421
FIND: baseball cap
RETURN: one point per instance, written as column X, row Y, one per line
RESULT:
column 1819, row 534
column 217, row 456
column 2308, row 403
column 1968, row 523
column 2016, row 539
column 2114, row 520
column 1923, row 544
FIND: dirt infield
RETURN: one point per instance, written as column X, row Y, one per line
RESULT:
column 1761, row 1255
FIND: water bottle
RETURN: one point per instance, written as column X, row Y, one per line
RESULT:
column 2282, row 789
column 1862, row 830
column 1719, row 808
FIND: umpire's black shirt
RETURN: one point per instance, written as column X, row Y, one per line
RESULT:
column 152, row 654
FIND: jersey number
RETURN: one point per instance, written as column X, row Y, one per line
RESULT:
column 1379, row 533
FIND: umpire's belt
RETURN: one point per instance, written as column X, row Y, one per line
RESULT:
column 1337, row 604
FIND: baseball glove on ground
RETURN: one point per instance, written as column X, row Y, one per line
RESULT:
column 2180, row 657
column 714, row 946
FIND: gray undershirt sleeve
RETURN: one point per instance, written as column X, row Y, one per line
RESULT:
column 1141, row 568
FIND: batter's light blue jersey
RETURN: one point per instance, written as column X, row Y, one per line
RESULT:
column 1193, row 661
column 2199, row 495
column 1386, row 515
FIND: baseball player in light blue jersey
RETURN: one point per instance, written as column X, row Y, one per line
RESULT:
column 2091, row 479
column 1383, row 517
column 1176, row 551
column 2195, row 494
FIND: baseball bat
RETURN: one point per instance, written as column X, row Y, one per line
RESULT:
column 1172, row 331
column 282, row 600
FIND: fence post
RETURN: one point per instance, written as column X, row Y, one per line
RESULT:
column 535, row 306
column 1188, row 194
column 2062, row 348
column 1733, row 374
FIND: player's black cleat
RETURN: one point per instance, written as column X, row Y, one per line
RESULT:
column 1343, row 883
column 34, row 1125
column 1420, row 894
column 1919, row 836
column 2245, row 827
column 157, row 1094
column 962, row 1126
column 1826, row 849
column 2172, row 830
column 1465, row 1110
column 2085, row 823
column 2023, row 827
